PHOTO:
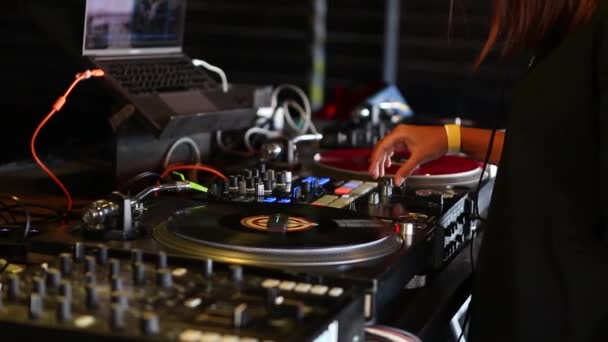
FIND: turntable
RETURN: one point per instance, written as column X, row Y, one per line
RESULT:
column 274, row 235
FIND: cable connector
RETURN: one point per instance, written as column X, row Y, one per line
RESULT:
column 90, row 73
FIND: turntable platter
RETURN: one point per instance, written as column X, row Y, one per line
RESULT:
column 277, row 234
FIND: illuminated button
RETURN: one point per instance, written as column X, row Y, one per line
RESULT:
column 336, row 292
column 270, row 283
column 270, row 199
column 190, row 335
column 352, row 184
column 193, row 302
column 303, row 287
column 210, row 337
column 285, row 200
column 287, row 285
column 319, row 290
column 179, row 272
column 308, row 179
column 343, row 191
column 323, row 181
column 84, row 321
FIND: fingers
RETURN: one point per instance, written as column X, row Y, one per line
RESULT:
column 381, row 154
column 406, row 169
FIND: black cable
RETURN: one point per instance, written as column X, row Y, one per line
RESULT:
column 128, row 184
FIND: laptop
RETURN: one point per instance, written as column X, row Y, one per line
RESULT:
column 138, row 43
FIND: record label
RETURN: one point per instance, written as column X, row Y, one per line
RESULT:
column 292, row 224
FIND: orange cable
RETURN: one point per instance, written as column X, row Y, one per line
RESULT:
column 193, row 167
column 57, row 107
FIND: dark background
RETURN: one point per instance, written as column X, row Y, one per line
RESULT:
column 262, row 41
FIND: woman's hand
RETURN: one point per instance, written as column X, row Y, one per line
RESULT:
column 424, row 143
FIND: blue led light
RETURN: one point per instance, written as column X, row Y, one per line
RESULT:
column 285, row 200
column 270, row 199
column 323, row 181
column 309, row 179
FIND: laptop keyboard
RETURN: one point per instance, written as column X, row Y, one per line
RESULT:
column 141, row 77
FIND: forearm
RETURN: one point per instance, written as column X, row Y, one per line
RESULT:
column 475, row 143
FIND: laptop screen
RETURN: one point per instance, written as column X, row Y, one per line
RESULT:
column 132, row 27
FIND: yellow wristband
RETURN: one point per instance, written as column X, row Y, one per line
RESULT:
column 452, row 133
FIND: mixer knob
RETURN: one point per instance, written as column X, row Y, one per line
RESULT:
column 262, row 168
column 296, row 193
column 114, row 268
column 149, row 323
column 120, row 298
column 161, row 261
column 65, row 289
column 137, row 256
column 237, row 273
column 14, row 290
column 267, row 187
column 225, row 187
column 259, row 192
column 374, row 199
column 164, row 278
column 36, row 308
column 240, row 315
column 233, row 184
column 117, row 320
column 78, row 251
column 242, row 188
column 250, row 185
column 53, row 278
column 138, row 273
column 288, row 177
column 270, row 175
column 91, row 297
column 90, row 279
column 89, row 264
column 39, row 286
column 64, row 309
column 248, row 173
column 65, row 264
column 116, row 284
column 102, row 255
column 208, row 268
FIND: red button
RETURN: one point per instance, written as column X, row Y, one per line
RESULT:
column 342, row 191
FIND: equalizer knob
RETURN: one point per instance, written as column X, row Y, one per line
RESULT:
column 138, row 273
column 78, row 251
column 120, row 298
column 137, row 256
column 117, row 320
column 91, row 297
column 65, row 289
column 64, row 309
column 65, row 264
column 39, row 286
column 14, row 286
column 102, row 255
column 53, row 278
column 161, row 261
column 208, row 268
column 89, row 264
column 237, row 273
column 149, row 323
column 240, row 315
column 164, row 278
column 114, row 268
column 116, row 284
column 36, row 308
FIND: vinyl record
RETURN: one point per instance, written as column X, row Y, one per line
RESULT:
column 277, row 234
column 449, row 170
